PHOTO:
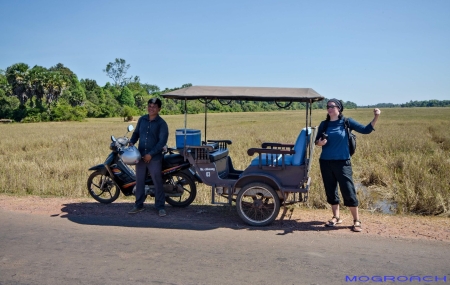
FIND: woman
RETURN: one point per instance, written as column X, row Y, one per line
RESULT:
column 335, row 163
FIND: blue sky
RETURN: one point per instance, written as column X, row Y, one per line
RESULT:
column 366, row 52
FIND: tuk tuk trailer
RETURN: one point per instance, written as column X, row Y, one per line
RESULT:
column 278, row 175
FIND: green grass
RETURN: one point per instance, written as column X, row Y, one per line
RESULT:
column 405, row 161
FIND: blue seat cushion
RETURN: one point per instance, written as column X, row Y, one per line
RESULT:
column 300, row 148
column 292, row 159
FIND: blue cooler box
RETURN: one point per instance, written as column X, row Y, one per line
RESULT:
column 193, row 137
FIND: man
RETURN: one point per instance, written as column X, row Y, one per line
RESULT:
column 152, row 132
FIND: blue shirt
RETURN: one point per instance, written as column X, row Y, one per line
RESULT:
column 336, row 147
column 152, row 136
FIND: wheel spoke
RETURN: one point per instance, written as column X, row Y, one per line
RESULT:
column 98, row 186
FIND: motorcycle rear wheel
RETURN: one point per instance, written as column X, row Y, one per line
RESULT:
column 105, row 194
column 188, row 184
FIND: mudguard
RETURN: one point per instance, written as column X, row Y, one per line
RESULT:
column 100, row 167
column 257, row 177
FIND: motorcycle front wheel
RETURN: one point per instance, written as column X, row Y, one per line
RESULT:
column 189, row 189
column 102, row 188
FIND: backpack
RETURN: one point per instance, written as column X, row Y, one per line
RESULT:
column 351, row 136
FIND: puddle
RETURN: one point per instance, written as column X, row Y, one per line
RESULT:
column 385, row 207
column 376, row 203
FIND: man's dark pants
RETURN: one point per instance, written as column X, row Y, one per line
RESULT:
column 154, row 168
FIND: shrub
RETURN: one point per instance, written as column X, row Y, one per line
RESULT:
column 128, row 113
column 65, row 112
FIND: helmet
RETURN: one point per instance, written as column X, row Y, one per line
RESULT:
column 131, row 155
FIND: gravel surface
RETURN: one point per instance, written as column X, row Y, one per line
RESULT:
column 217, row 216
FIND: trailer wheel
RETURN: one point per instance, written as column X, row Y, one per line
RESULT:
column 258, row 204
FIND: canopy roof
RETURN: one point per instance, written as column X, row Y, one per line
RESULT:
column 246, row 93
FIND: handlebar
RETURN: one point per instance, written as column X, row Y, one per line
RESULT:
column 117, row 144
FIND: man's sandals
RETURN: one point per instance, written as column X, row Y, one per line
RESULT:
column 333, row 222
column 356, row 226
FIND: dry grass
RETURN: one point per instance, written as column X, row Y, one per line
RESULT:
column 406, row 160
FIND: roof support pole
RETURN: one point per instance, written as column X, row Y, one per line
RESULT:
column 308, row 139
column 185, row 123
column 206, row 117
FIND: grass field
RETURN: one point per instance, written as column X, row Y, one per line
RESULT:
column 404, row 163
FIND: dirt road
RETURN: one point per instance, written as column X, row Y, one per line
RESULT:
column 89, row 243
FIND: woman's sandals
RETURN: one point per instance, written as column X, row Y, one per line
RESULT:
column 336, row 220
column 356, row 226
column 333, row 222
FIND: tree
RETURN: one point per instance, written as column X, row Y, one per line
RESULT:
column 39, row 82
column 75, row 93
column 16, row 75
column 150, row 88
column 94, row 93
column 36, row 82
column 4, row 86
column 55, row 84
column 7, row 105
column 350, row 105
column 89, row 84
column 117, row 71
column 65, row 71
column 126, row 97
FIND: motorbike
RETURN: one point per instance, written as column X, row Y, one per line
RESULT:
column 114, row 176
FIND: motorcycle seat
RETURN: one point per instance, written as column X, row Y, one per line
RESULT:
column 173, row 159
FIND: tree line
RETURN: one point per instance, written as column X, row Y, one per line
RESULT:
column 410, row 104
column 39, row 94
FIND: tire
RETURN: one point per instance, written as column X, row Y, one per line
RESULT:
column 189, row 187
column 105, row 194
column 258, row 204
